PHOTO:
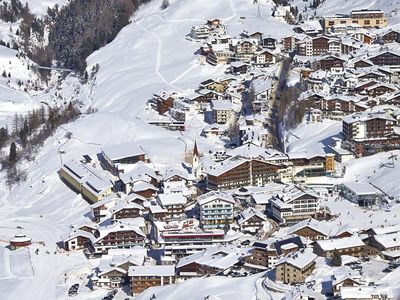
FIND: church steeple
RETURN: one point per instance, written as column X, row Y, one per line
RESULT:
column 195, row 150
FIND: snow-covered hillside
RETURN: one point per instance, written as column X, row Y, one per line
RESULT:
column 150, row 54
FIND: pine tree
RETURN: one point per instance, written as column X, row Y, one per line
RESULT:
column 336, row 258
column 13, row 154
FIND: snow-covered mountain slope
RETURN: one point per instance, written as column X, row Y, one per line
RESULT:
column 153, row 53
column 148, row 55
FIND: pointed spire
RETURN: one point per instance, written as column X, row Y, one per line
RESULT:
column 195, row 150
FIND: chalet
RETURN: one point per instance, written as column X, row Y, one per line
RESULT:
column 216, row 209
column 295, row 267
column 220, row 54
column 342, row 280
column 140, row 172
column 200, row 32
column 362, row 63
column 211, row 261
column 386, row 58
column 222, row 111
column 311, row 164
column 363, row 194
column 101, row 209
column 252, row 220
column 393, row 100
column 127, row 153
column 156, row 212
column 244, row 49
column 385, row 242
column 289, row 43
column 327, row 62
column 269, row 43
column 238, row 67
column 112, row 271
column 236, row 172
column 390, row 36
column 311, row 229
column 213, row 130
column 164, row 101
column 118, row 235
column 178, row 175
column 383, row 230
column 86, row 226
column 294, row 204
column 262, row 89
column 214, row 22
column 364, row 37
column 126, row 210
column 264, row 57
column 174, row 204
column 361, row 86
column 78, row 240
column 380, row 89
column 144, row 189
column 266, row 253
column 352, row 246
column 320, row 45
column 143, row 277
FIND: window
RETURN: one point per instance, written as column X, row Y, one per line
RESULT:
column 367, row 22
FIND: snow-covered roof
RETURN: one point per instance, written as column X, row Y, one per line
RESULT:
column 262, row 85
column 221, row 105
column 386, row 229
column 158, row 271
column 220, row 257
column 172, row 199
column 249, row 213
column 366, row 292
column 299, row 259
column 119, row 151
column 125, row 205
column 80, row 233
column 366, row 116
column 117, row 227
column 362, row 188
column 214, row 195
column 318, row 226
column 343, row 243
column 391, row 240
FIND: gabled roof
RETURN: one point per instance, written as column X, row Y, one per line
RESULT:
column 117, row 227
column 298, row 259
column 249, row 213
column 125, row 205
column 80, row 233
column 343, row 243
column 313, row 224
column 214, row 195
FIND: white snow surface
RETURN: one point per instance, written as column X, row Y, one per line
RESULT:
column 148, row 55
